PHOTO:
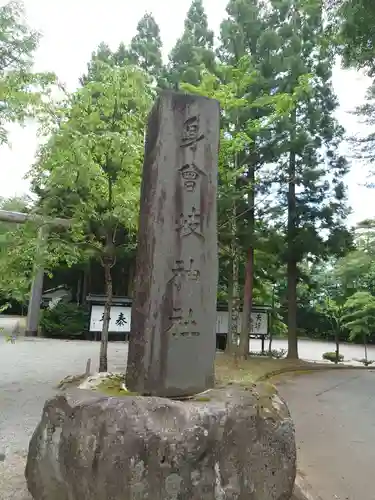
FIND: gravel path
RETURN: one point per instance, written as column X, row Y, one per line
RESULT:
column 333, row 413
column 30, row 369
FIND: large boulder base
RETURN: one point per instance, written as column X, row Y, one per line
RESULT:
column 232, row 444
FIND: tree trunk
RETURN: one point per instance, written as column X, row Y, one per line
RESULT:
column 249, row 273
column 270, row 339
column 365, row 346
column 103, row 359
column 131, row 278
column 234, row 300
column 292, row 310
column 271, row 322
column 292, row 262
column 228, row 345
column 247, row 305
column 337, row 341
column 79, row 288
column 234, row 308
column 85, row 284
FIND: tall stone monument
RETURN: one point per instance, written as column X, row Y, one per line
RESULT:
column 172, row 339
column 238, row 444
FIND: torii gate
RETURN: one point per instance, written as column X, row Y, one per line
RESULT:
column 33, row 309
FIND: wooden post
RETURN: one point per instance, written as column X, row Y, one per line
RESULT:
column 33, row 310
column 88, row 367
column 20, row 218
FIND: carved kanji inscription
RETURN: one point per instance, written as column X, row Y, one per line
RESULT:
column 190, row 223
column 183, row 325
column 180, row 272
column 190, row 175
column 190, row 134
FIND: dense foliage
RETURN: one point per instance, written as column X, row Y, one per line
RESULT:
column 21, row 90
column 65, row 320
column 353, row 23
column 17, row 253
column 89, row 171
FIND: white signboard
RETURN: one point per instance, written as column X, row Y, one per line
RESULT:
column 259, row 323
column 120, row 318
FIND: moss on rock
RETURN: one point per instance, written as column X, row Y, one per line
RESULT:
column 113, row 387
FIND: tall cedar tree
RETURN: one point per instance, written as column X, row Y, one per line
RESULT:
column 145, row 47
column 144, row 51
column 102, row 54
column 231, row 89
column 352, row 23
column 364, row 145
column 309, row 172
column 194, row 50
column 245, row 33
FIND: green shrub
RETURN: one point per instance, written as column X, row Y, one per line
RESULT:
column 275, row 353
column 64, row 320
column 366, row 362
column 258, row 353
column 278, row 353
column 331, row 356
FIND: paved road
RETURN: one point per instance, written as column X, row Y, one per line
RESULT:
column 334, row 415
column 312, row 350
column 30, row 369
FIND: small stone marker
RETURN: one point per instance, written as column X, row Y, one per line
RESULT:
column 172, row 338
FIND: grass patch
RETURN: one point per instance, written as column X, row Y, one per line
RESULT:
column 228, row 371
column 245, row 372
column 257, row 368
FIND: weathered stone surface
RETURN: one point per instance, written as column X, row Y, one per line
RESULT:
column 172, row 339
column 237, row 446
